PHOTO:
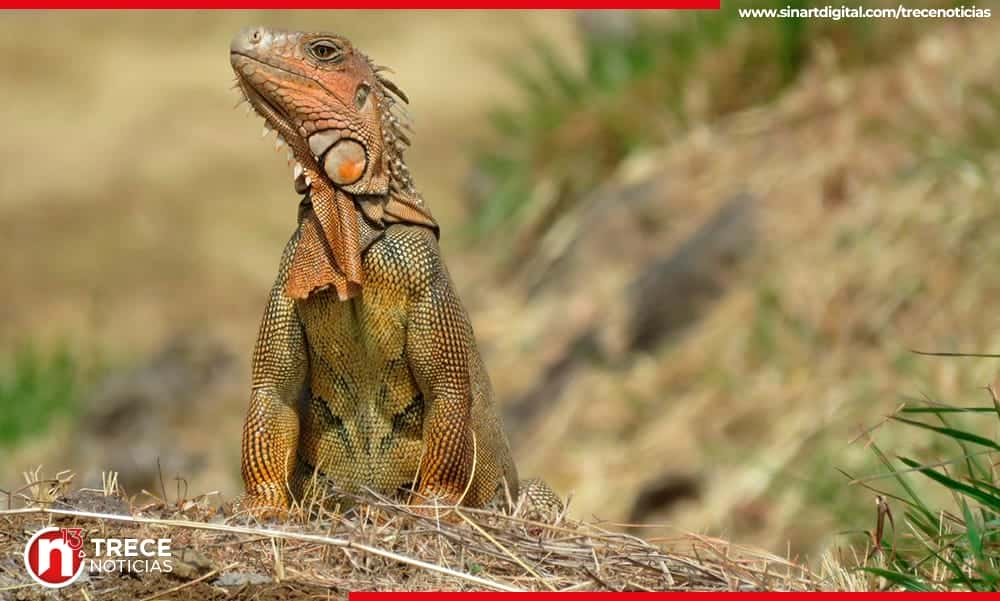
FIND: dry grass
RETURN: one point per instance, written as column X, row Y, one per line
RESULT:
column 379, row 545
column 867, row 249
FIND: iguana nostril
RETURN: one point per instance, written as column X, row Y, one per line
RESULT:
column 247, row 39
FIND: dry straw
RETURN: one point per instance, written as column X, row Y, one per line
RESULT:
column 380, row 545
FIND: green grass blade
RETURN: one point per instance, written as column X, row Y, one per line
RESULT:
column 906, row 581
column 929, row 528
column 977, row 472
column 917, row 502
column 955, row 568
column 951, row 432
column 986, row 499
column 972, row 532
column 937, row 410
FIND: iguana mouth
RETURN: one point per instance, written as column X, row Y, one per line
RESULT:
column 276, row 120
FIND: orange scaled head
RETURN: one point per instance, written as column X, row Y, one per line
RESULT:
column 326, row 100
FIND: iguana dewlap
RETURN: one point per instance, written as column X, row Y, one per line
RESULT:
column 366, row 371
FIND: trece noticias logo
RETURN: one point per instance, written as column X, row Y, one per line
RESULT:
column 54, row 556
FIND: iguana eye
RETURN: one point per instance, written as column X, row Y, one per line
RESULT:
column 361, row 96
column 326, row 50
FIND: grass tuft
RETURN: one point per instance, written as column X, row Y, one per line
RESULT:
column 955, row 545
column 35, row 387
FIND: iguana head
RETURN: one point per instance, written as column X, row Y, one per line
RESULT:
column 342, row 122
column 328, row 102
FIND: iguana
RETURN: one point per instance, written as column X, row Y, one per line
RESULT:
column 365, row 371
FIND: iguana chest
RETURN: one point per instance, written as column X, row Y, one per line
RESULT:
column 362, row 426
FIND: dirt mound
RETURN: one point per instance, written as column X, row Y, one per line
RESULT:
column 379, row 545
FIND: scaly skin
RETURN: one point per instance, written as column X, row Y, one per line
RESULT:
column 366, row 370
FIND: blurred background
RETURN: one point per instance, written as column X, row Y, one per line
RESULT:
column 697, row 250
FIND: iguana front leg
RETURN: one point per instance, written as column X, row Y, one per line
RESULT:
column 279, row 370
column 438, row 342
